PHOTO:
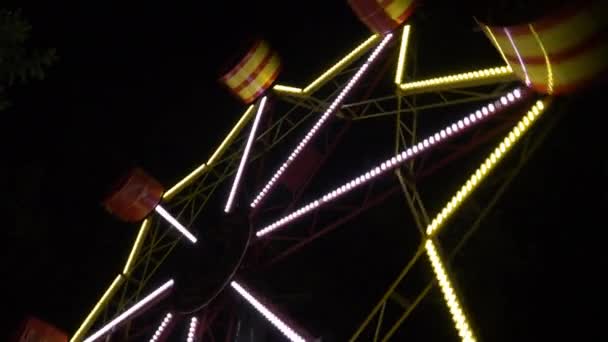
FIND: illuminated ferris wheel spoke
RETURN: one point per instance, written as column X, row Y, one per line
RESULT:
column 271, row 317
column 192, row 329
column 159, row 333
column 521, row 61
column 432, row 140
column 162, row 212
column 239, row 172
column 131, row 311
column 317, row 126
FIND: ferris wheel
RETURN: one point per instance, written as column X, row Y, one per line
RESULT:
column 195, row 270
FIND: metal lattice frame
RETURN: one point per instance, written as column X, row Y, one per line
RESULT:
column 189, row 197
column 378, row 326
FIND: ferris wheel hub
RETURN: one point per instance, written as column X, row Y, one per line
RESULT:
column 205, row 269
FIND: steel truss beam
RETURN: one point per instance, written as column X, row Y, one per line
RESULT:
column 417, row 170
column 395, row 104
column 157, row 242
column 373, row 326
column 195, row 190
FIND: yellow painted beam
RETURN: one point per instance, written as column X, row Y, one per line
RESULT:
column 287, row 89
column 332, row 71
column 405, row 36
column 139, row 241
column 97, row 309
column 194, row 175
column 342, row 64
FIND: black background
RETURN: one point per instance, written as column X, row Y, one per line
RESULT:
column 136, row 84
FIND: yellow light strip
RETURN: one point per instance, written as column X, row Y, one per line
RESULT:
column 547, row 61
column 139, row 241
column 485, row 167
column 450, row 297
column 356, row 53
column 86, row 325
column 287, row 89
column 496, row 45
column 199, row 170
column 402, row 55
column 336, row 68
column 489, row 74
column 184, row 182
column 458, row 316
column 232, row 135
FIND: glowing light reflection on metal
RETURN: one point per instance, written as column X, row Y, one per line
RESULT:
column 245, row 156
column 521, row 61
column 136, row 307
column 175, row 223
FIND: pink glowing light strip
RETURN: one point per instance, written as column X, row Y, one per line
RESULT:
column 337, row 101
column 132, row 310
column 272, row 318
column 175, row 223
column 521, row 61
column 192, row 329
column 161, row 328
column 449, row 131
column 245, row 156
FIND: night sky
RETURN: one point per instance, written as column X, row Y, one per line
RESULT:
column 136, row 84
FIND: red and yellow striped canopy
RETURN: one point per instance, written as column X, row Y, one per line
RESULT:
column 558, row 53
column 382, row 16
column 254, row 73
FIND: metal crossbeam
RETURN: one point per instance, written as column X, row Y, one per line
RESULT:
column 406, row 135
column 389, row 105
column 367, row 329
column 302, row 105
column 189, row 203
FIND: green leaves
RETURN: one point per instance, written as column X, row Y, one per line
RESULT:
column 19, row 62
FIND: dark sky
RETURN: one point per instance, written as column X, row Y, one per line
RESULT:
column 136, row 84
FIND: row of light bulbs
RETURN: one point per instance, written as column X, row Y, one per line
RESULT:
column 163, row 325
column 467, row 76
column 336, row 102
column 192, row 329
column 161, row 328
column 454, row 306
column 449, row 131
column 458, row 316
column 486, row 167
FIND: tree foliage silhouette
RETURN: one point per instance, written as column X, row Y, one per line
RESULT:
column 18, row 61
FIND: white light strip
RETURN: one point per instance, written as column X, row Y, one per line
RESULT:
column 130, row 311
column 161, row 328
column 192, row 329
column 245, row 156
column 400, row 158
column 521, row 61
column 175, row 223
column 286, row 330
column 332, row 107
